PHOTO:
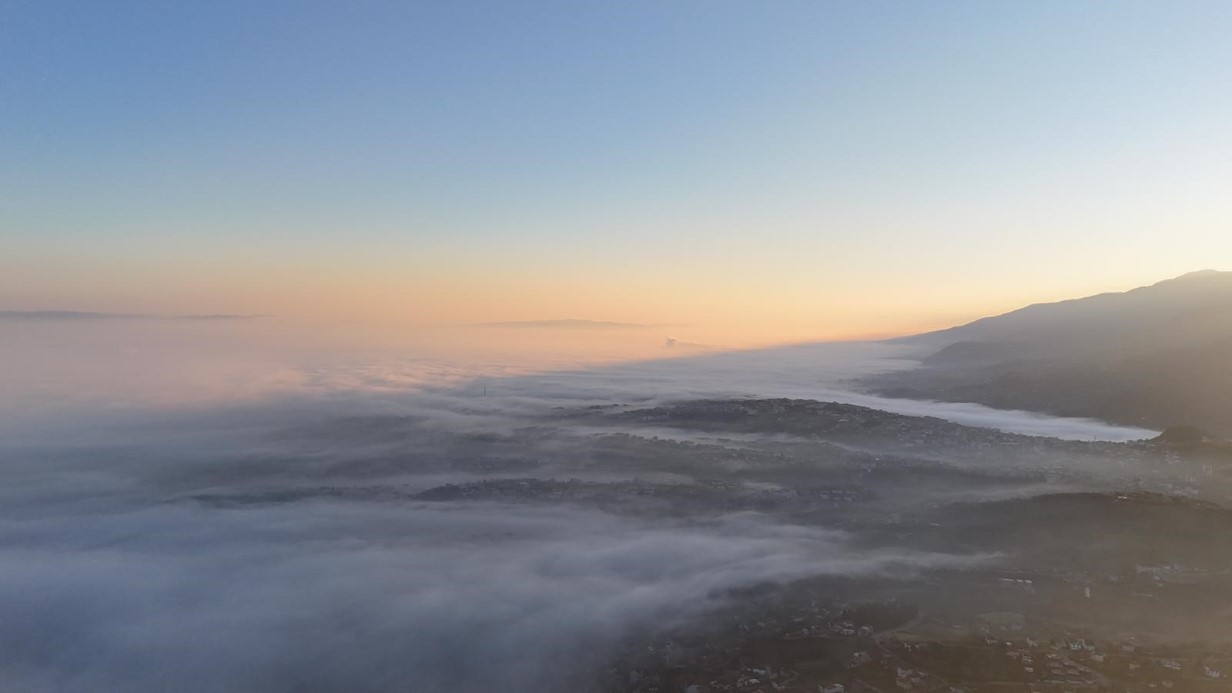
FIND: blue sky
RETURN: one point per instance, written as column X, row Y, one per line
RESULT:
column 529, row 149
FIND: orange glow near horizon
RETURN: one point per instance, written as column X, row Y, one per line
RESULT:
column 692, row 305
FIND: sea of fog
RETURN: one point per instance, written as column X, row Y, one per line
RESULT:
column 89, row 372
column 114, row 576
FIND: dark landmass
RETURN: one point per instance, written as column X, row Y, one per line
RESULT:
column 871, row 430
column 1196, row 444
column 1156, row 356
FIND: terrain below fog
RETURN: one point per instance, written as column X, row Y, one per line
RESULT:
column 236, row 506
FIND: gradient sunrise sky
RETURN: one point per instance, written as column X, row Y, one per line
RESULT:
column 778, row 170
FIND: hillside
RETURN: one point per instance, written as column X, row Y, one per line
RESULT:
column 1157, row 356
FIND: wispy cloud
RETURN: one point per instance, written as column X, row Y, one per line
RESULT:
column 571, row 324
column 93, row 315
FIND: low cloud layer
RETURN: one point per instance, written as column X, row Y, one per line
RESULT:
column 372, row 597
column 118, row 571
column 71, row 315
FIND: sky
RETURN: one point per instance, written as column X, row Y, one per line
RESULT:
column 754, row 172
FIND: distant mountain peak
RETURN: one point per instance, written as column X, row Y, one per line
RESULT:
column 1202, row 274
column 1201, row 280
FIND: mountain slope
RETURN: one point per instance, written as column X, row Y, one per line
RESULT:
column 1158, row 355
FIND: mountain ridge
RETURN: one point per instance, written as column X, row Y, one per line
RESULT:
column 1157, row 355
